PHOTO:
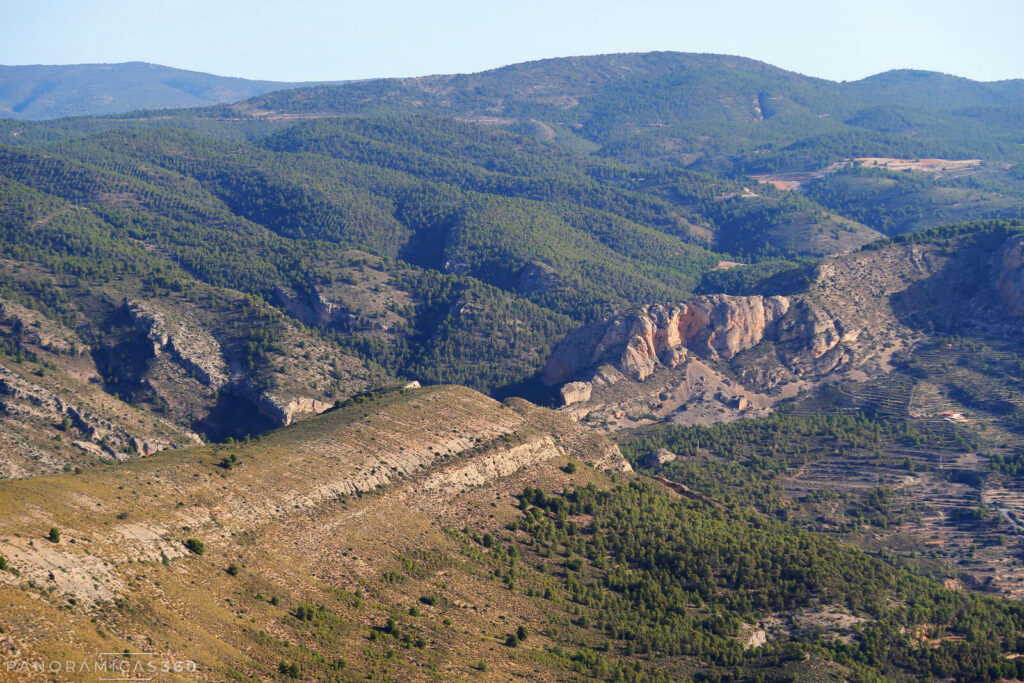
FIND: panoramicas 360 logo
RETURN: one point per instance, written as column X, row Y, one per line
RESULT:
column 106, row 666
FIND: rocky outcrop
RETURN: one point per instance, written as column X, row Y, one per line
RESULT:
column 712, row 327
column 575, row 440
column 487, row 467
column 576, row 392
column 311, row 310
column 150, row 323
column 19, row 396
column 658, row 458
column 751, row 637
column 283, row 412
column 191, row 346
column 1010, row 276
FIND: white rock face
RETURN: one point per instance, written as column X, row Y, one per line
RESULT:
column 659, row 458
column 754, row 638
column 190, row 345
column 576, row 392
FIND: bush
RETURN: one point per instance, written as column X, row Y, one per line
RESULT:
column 232, row 569
column 3, row 563
column 522, row 633
column 570, row 468
column 54, row 535
column 196, row 546
column 305, row 613
column 511, row 640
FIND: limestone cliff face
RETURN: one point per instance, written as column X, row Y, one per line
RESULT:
column 191, row 346
column 1010, row 277
column 313, row 309
column 282, row 411
column 21, row 398
column 717, row 326
column 576, row 392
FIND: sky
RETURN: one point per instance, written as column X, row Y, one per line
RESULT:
column 304, row 40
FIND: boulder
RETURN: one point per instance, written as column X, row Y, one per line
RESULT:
column 658, row 458
column 576, row 392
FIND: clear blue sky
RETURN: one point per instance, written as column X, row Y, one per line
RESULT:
column 340, row 39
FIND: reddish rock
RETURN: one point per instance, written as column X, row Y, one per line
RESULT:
column 638, row 341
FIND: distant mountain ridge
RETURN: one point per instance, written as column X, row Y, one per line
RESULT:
column 46, row 92
column 556, row 84
column 710, row 112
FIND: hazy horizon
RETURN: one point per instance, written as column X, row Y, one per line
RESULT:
column 318, row 40
column 539, row 59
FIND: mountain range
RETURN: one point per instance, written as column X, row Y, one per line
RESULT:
column 50, row 92
column 648, row 367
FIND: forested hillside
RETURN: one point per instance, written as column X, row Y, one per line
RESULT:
column 215, row 324
column 453, row 228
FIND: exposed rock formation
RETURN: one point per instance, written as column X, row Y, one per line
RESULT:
column 311, row 310
column 283, row 412
column 658, row 458
column 751, row 637
column 712, row 327
column 489, row 466
column 18, row 396
column 1010, row 278
column 576, row 392
column 191, row 346
column 200, row 355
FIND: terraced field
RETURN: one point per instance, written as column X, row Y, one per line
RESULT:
column 964, row 399
column 906, row 465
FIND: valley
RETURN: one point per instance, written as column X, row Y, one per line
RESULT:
column 639, row 367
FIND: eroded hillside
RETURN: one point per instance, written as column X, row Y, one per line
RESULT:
column 433, row 533
column 720, row 357
column 310, row 514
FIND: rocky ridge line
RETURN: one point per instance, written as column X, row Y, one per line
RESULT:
column 711, row 327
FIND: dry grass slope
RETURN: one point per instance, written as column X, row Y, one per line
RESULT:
column 310, row 514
